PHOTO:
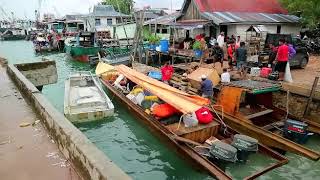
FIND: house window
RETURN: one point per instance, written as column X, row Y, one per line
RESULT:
column 109, row 22
column 278, row 29
column 98, row 22
column 164, row 31
column 158, row 30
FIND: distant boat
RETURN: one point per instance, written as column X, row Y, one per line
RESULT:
column 80, row 47
column 13, row 34
column 85, row 100
column 110, row 57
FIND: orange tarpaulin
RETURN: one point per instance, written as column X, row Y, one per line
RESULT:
column 182, row 101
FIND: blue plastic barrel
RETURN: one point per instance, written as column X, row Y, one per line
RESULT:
column 164, row 44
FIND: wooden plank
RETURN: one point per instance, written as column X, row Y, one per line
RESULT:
column 181, row 139
column 315, row 83
column 300, row 90
column 258, row 114
column 273, row 125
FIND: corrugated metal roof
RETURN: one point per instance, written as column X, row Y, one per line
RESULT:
column 106, row 11
column 190, row 24
column 164, row 20
column 256, row 6
column 252, row 18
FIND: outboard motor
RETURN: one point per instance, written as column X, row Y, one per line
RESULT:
column 296, row 131
column 245, row 146
column 222, row 154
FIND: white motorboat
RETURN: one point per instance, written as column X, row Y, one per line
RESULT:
column 84, row 99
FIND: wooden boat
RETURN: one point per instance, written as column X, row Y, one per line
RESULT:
column 252, row 113
column 111, row 56
column 190, row 142
column 81, row 47
column 84, row 100
column 41, row 44
column 12, row 34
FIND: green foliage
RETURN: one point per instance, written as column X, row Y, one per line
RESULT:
column 308, row 9
column 153, row 39
column 196, row 45
column 125, row 5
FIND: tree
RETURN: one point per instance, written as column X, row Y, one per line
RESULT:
column 309, row 10
column 125, row 5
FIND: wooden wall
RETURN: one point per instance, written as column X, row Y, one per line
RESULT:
column 192, row 12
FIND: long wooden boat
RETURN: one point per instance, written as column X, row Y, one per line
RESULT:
column 186, row 141
column 255, row 115
column 84, row 99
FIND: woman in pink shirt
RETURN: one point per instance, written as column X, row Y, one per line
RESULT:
column 282, row 58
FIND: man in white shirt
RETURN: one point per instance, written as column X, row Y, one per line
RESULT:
column 220, row 39
column 225, row 76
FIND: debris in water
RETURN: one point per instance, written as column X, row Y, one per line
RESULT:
column 53, row 155
column 35, row 122
column 5, row 96
column 63, row 163
column 6, row 142
column 24, row 124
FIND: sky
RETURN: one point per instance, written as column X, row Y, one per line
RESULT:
column 26, row 8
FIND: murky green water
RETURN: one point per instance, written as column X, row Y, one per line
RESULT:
column 133, row 148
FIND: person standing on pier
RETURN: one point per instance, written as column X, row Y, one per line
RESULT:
column 220, row 39
column 167, row 72
column 282, row 58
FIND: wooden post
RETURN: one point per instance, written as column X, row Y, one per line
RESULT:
column 124, row 29
column 314, row 86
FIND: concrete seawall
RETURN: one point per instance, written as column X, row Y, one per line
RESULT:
column 88, row 160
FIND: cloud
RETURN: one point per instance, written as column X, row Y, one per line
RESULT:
column 176, row 4
column 62, row 7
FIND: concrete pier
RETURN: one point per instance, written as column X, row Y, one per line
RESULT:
column 27, row 153
column 70, row 147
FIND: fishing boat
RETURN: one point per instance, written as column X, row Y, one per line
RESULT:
column 42, row 44
column 13, row 34
column 84, row 99
column 248, row 108
column 111, row 56
column 82, row 46
column 194, row 143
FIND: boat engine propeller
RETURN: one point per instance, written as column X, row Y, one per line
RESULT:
column 221, row 154
column 245, row 145
column 296, row 131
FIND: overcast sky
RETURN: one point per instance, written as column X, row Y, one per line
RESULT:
column 25, row 8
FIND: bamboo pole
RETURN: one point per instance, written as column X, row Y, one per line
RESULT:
column 124, row 29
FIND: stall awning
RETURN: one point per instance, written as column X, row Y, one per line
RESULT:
column 190, row 24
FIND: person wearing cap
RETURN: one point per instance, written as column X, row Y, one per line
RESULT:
column 206, row 87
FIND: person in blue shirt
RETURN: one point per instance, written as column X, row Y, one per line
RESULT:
column 206, row 87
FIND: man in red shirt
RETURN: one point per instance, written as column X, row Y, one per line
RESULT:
column 167, row 72
column 282, row 58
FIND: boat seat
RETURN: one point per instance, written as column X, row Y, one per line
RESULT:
column 258, row 114
column 199, row 133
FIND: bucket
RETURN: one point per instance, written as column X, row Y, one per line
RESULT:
column 198, row 53
column 164, row 44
